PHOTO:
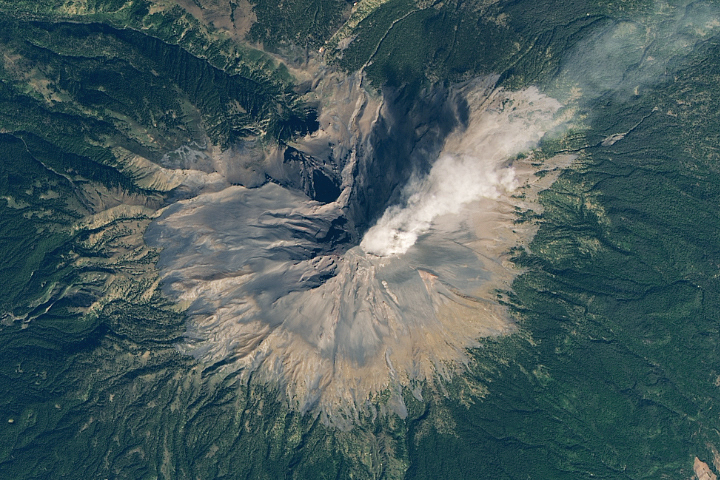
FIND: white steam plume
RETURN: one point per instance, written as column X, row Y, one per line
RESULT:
column 335, row 328
column 472, row 167
column 271, row 293
column 620, row 58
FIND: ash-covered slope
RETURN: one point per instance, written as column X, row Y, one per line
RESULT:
column 281, row 285
column 612, row 372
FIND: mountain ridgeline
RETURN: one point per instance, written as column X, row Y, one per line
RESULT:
column 152, row 152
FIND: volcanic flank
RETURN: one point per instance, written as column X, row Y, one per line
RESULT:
column 372, row 255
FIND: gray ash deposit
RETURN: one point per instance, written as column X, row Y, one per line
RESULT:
column 363, row 256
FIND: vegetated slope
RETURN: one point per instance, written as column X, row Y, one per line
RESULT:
column 83, row 97
column 614, row 372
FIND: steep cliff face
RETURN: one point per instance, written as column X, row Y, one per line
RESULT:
column 407, row 138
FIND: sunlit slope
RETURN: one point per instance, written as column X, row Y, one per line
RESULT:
column 618, row 377
column 79, row 100
column 613, row 374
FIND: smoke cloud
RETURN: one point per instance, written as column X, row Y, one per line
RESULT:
column 621, row 57
column 275, row 283
column 279, row 280
column 473, row 165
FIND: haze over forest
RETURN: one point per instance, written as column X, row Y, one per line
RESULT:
column 378, row 239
